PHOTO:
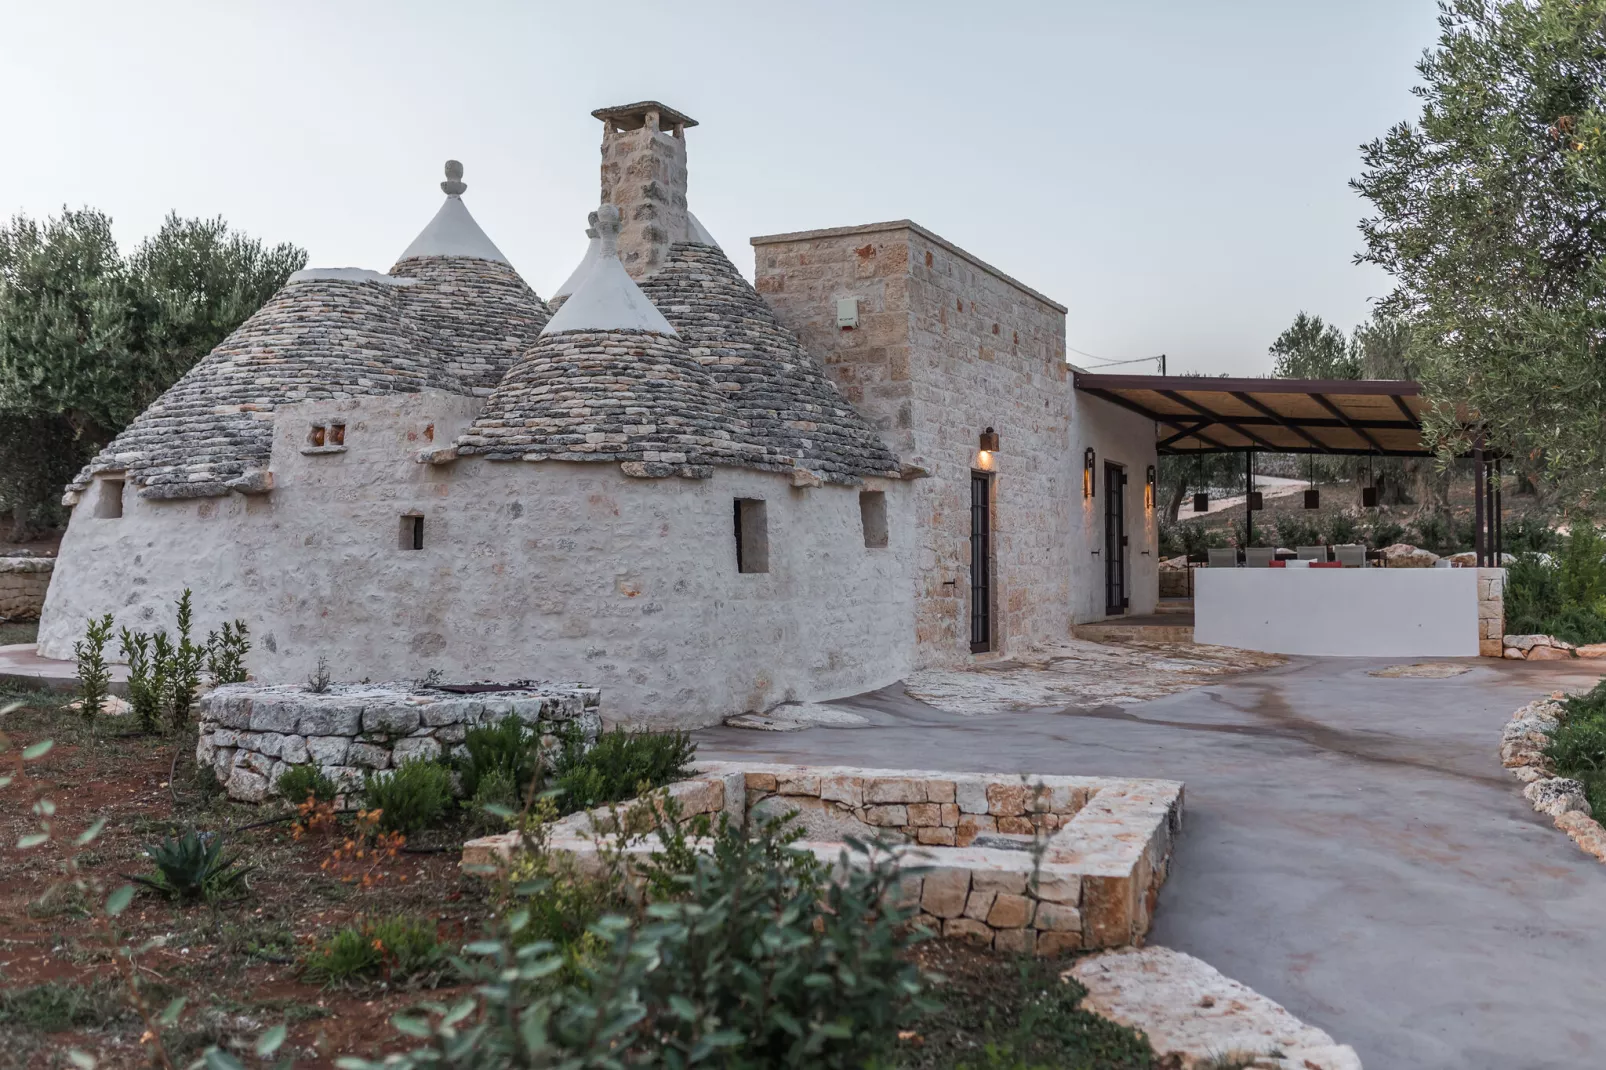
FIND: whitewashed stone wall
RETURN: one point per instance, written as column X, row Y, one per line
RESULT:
column 947, row 346
column 250, row 735
column 542, row 571
column 23, row 582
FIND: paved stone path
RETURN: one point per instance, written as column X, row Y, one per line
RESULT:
column 1351, row 847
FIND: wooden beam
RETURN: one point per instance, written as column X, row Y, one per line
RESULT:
column 1321, row 399
column 1280, row 418
column 1162, row 418
column 1218, row 418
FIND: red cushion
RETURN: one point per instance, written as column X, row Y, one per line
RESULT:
column 1327, row 564
column 1279, row 564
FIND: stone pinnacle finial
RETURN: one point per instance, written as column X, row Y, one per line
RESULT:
column 591, row 225
column 607, row 224
column 454, row 184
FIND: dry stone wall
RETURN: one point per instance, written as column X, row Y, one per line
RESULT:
column 23, row 583
column 250, row 735
column 1091, row 878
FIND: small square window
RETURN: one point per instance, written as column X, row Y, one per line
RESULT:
column 873, row 515
column 109, row 499
column 752, row 536
column 337, row 435
column 411, row 535
column 315, row 437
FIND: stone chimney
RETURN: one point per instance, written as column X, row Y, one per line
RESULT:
column 644, row 176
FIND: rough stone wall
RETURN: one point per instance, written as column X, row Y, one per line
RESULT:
column 947, row 346
column 546, row 571
column 23, row 582
column 1491, row 612
column 251, row 734
column 644, row 175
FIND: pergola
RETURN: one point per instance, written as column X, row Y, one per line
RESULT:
column 1347, row 417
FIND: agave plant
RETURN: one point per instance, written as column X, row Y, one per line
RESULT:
column 194, row 867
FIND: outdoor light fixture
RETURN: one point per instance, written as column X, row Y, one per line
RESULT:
column 1313, row 499
column 1257, row 500
column 1148, row 488
column 1201, row 502
column 989, row 441
column 1088, row 460
column 1369, row 494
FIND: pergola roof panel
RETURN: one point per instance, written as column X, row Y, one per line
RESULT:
column 1204, row 414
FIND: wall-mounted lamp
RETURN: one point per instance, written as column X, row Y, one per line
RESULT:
column 989, row 441
column 1148, row 488
column 1088, row 460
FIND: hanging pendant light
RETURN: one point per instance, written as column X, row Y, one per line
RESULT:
column 1369, row 494
column 1313, row 497
column 1201, row 498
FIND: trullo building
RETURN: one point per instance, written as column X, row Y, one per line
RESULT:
column 701, row 496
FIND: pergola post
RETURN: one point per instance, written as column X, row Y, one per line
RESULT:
column 1249, row 500
column 1480, row 480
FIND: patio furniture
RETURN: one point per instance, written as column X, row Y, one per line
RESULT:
column 1223, row 558
column 1352, row 556
column 1259, row 556
column 1311, row 553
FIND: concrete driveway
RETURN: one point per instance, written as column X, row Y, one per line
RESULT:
column 1351, row 847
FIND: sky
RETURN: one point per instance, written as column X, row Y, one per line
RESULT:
column 1174, row 171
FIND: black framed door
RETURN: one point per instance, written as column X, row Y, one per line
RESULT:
column 981, row 561
column 1115, row 597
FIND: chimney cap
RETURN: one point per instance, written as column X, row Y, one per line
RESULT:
column 634, row 116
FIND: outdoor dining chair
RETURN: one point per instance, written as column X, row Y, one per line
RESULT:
column 1259, row 556
column 1351, row 556
column 1311, row 553
column 1222, row 558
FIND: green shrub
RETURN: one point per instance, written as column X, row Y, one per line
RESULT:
column 1529, row 535
column 1386, row 532
column 226, row 651
column 749, row 956
column 395, row 948
column 1565, row 597
column 300, row 782
column 1341, row 529
column 618, row 766
column 194, row 867
column 1577, row 746
column 413, row 796
column 145, row 680
column 508, row 751
column 94, row 676
column 1294, row 530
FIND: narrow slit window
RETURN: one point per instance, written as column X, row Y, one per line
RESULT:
column 412, row 532
column 752, row 536
column 873, row 516
column 109, row 499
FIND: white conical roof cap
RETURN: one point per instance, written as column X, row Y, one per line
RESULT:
column 453, row 231
column 606, row 298
column 593, row 252
column 699, row 233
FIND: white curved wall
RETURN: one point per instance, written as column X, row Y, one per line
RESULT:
column 545, row 570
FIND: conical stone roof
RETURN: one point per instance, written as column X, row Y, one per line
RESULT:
column 326, row 334
column 477, row 312
column 609, row 381
column 593, row 250
column 780, row 390
column 456, row 322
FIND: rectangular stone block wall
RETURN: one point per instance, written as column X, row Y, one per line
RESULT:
column 946, row 347
column 23, row 583
column 1491, row 612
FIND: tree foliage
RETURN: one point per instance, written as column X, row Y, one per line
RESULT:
column 90, row 337
column 1490, row 216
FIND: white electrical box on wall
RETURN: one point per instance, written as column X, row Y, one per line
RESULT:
column 847, row 312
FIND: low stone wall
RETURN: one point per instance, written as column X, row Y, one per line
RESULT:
column 1522, row 750
column 965, row 839
column 23, row 583
column 251, row 734
column 1548, row 648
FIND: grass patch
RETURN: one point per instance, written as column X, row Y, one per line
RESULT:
column 1577, row 747
column 392, row 949
column 59, row 1005
column 1011, row 1013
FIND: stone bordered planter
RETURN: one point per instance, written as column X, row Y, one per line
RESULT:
column 1106, row 856
column 251, row 734
column 1522, row 747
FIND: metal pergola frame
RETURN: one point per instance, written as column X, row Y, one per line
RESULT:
column 1340, row 417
